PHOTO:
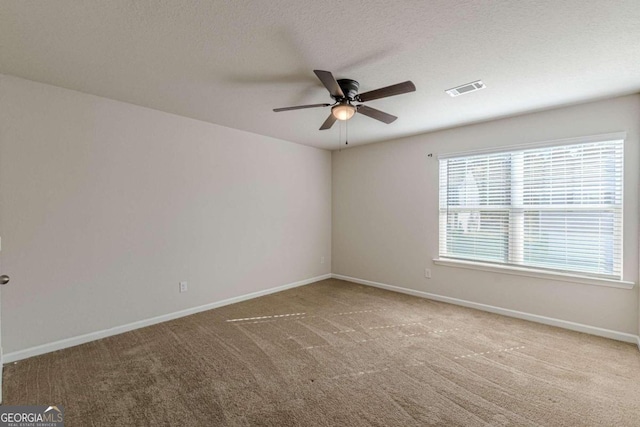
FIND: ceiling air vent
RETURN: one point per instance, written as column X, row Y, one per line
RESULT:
column 466, row 88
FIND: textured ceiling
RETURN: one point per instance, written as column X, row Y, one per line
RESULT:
column 232, row 62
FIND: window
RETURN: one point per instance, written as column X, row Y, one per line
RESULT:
column 556, row 208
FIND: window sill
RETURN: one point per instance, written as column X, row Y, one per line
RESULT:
column 530, row 272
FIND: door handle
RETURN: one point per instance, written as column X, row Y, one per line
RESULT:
column 4, row 279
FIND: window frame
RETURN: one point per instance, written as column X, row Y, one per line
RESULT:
column 524, row 270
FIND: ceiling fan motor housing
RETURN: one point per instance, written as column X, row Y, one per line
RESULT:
column 349, row 88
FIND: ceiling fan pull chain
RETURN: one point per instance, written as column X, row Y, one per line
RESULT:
column 346, row 133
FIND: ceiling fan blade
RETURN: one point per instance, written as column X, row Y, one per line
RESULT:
column 397, row 89
column 376, row 114
column 300, row 107
column 330, row 83
column 329, row 122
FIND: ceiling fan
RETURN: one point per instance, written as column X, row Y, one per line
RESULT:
column 345, row 94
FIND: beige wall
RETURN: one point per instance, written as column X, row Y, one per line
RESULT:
column 385, row 216
column 106, row 206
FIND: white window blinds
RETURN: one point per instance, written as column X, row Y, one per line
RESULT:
column 557, row 208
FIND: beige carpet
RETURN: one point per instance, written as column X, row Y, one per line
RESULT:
column 339, row 354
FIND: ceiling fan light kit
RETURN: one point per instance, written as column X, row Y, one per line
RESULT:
column 343, row 111
column 345, row 92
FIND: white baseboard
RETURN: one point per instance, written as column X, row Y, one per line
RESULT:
column 81, row 339
column 593, row 330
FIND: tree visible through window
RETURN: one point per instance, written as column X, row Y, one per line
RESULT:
column 555, row 208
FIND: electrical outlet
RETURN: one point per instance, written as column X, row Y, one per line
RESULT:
column 183, row 286
column 427, row 273
column 321, row 260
